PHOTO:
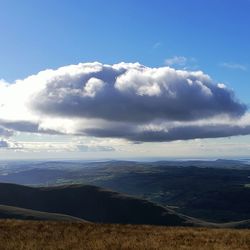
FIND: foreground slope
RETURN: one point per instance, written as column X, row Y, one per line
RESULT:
column 9, row 212
column 30, row 235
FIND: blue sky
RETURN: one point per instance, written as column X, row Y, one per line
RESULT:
column 210, row 35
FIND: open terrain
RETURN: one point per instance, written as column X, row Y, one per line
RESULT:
column 216, row 191
column 62, row 209
column 89, row 203
column 31, row 235
column 92, row 204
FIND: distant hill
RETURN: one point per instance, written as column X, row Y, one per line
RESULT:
column 90, row 203
column 216, row 191
column 94, row 204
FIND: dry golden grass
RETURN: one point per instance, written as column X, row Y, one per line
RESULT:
column 33, row 235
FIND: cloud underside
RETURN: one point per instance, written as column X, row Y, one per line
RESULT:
column 177, row 133
column 124, row 100
column 4, row 144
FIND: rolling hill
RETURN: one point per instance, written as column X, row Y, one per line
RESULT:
column 216, row 191
column 93, row 204
column 90, row 203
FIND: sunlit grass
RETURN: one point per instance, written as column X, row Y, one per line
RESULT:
column 32, row 235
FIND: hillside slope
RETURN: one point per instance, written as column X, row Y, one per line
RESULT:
column 216, row 191
column 90, row 203
column 9, row 212
column 94, row 204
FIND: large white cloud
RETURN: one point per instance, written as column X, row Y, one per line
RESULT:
column 125, row 100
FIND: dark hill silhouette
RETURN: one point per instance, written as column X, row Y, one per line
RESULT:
column 93, row 204
column 90, row 203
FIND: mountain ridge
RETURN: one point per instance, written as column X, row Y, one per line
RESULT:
column 95, row 204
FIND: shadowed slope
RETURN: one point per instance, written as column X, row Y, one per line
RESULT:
column 8, row 212
column 93, row 204
column 90, row 203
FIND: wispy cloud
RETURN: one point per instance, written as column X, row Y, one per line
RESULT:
column 156, row 45
column 176, row 61
column 53, row 146
column 182, row 62
column 235, row 66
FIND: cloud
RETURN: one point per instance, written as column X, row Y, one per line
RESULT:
column 181, row 62
column 176, row 61
column 173, row 132
column 54, row 146
column 134, row 93
column 125, row 100
column 87, row 148
column 23, row 126
column 3, row 144
column 5, row 132
column 235, row 66
column 157, row 45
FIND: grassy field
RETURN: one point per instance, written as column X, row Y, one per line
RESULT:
column 34, row 235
